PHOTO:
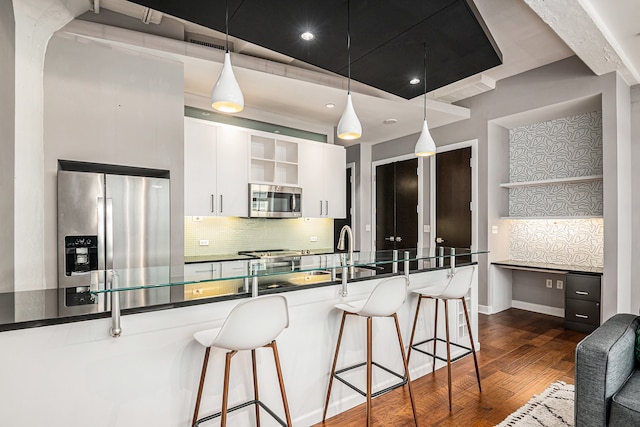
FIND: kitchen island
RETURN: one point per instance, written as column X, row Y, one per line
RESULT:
column 78, row 375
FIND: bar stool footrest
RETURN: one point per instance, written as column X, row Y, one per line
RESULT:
column 374, row 394
column 240, row 406
column 453, row 359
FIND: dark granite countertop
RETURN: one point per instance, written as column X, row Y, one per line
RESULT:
column 549, row 266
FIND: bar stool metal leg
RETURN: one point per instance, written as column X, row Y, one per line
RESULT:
column 333, row 368
column 369, row 350
column 413, row 330
column 473, row 347
column 435, row 338
column 201, row 386
column 406, row 369
column 446, row 324
column 276, row 357
column 255, row 385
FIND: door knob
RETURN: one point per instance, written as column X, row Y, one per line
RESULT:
column 398, row 239
column 390, row 238
column 439, row 240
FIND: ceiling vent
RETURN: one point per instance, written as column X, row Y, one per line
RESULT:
column 202, row 40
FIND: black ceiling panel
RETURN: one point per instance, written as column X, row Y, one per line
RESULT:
column 386, row 37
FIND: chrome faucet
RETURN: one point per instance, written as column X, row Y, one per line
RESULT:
column 340, row 247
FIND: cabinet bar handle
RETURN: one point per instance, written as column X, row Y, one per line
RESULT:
column 221, row 203
column 326, row 205
column 582, row 316
column 582, row 293
column 213, row 203
column 320, row 207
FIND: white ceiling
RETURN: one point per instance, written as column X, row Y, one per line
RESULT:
column 605, row 34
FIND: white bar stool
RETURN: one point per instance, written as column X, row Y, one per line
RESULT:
column 384, row 301
column 251, row 324
column 456, row 288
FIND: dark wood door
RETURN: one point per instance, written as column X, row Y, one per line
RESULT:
column 453, row 200
column 385, row 207
column 396, row 206
column 341, row 222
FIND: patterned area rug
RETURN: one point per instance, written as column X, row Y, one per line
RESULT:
column 551, row 408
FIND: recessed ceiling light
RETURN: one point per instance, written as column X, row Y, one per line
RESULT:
column 330, row 105
column 307, row 36
column 414, row 81
column 390, row 121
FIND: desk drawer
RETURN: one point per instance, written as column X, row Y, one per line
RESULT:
column 583, row 287
column 581, row 311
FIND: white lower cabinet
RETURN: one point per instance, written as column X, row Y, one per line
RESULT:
column 322, row 178
column 216, row 160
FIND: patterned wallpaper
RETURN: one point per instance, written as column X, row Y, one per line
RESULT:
column 228, row 235
column 568, row 199
column 560, row 148
column 577, row 242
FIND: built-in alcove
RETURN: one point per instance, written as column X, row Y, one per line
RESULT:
column 554, row 184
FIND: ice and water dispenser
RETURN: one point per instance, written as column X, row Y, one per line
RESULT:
column 81, row 258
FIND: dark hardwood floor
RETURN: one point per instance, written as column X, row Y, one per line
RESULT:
column 521, row 354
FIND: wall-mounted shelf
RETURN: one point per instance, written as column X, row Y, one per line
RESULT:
column 552, row 181
column 273, row 160
column 551, row 217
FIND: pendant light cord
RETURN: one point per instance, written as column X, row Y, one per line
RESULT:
column 425, row 81
column 226, row 25
column 348, row 48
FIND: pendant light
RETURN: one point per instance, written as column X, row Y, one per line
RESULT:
column 226, row 95
column 349, row 126
column 425, row 145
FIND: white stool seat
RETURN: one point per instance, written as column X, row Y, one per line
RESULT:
column 384, row 301
column 252, row 324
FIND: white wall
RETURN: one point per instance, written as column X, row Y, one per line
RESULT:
column 635, row 207
column 113, row 106
column 7, row 141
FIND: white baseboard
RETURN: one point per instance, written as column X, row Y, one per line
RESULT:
column 538, row 308
column 484, row 309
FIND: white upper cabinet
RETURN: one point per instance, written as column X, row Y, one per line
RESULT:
column 215, row 169
column 322, row 177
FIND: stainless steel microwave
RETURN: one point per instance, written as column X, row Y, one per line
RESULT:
column 274, row 201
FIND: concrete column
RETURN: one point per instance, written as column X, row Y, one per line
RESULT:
column 35, row 22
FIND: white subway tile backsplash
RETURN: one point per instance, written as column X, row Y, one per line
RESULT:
column 228, row 235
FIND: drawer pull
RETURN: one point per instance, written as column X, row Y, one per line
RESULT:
column 582, row 316
column 582, row 293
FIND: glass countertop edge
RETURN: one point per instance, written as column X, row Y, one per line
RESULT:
column 325, row 263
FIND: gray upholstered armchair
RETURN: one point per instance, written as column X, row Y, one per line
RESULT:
column 607, row 375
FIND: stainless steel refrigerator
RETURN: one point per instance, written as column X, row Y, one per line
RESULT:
column 111, row 223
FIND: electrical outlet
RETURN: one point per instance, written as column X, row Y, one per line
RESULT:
column 314, row 239
column 549, row 283
column 559, row 284
column 204, row 243
column 494, row 229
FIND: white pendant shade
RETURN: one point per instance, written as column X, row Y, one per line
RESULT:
column 425, row 145
column 226, row 95
column 349, row 126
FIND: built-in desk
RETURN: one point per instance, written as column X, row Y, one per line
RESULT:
column 543, row 267
column 582, row 291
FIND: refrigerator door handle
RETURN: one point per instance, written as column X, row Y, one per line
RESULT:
column 108, row 226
